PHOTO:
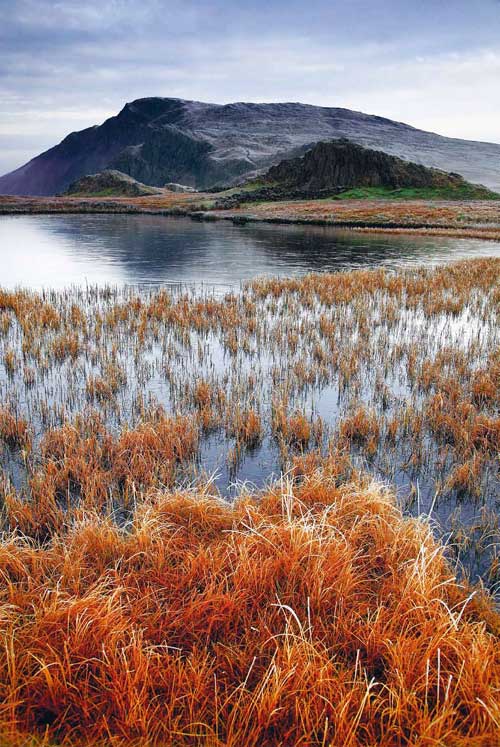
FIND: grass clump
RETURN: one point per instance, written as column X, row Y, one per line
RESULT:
column 314, row 615
column 14, row 430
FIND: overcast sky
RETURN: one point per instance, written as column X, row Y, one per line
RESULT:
column 68, row 64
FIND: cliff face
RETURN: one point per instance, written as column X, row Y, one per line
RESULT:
column 342, row 163
column 159, row 140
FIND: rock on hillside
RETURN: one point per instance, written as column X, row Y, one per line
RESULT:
column 160, row 140
column 182, row 188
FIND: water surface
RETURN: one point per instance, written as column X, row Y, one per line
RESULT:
column 56, row 251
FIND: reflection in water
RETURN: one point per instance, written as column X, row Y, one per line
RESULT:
column 62, row 250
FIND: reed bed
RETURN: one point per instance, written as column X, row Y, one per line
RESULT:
column 400, row 370
column 142, row 603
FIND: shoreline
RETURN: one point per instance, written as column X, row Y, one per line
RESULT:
column 188, row 206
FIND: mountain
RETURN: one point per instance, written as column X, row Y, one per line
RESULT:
column 159, row 140
column 109, row 182
column 342, row 163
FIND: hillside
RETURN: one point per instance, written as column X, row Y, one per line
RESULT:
column 160, row 140
column 109, row 183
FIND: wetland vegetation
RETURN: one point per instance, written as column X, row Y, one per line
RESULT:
column 256, row 517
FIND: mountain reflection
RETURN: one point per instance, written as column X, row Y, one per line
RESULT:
column 56, row 251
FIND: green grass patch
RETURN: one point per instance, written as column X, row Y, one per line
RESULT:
column 248, row 187
column 110, row 192
column 463, row 192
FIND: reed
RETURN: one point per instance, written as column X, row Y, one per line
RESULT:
column 362, row 427
column 298, row 430
column 249, row 428
column 14, row 430
column 10, row 362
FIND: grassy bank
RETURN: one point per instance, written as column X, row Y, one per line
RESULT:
column 391, row 213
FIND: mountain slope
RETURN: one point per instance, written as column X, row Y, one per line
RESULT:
column 158, row 140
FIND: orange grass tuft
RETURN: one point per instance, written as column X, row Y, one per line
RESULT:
column 10, row 362
column 298, row 429
column 316, row 615
column 248, row 427
column 14, row 430
column 361, row 427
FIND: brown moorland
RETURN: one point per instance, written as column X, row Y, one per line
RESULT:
column 474, row 218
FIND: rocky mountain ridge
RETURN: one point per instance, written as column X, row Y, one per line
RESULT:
column 160, row 140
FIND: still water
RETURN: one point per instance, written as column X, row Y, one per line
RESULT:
column 58, row 251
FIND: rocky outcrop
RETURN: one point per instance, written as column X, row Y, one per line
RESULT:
column 110, row 183
column 158, row 140
column 273, row 193
column 330, row 168
column 342, row 163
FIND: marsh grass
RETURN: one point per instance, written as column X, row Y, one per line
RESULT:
column 14, row 430
column 403, row 367
column 135, row 611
